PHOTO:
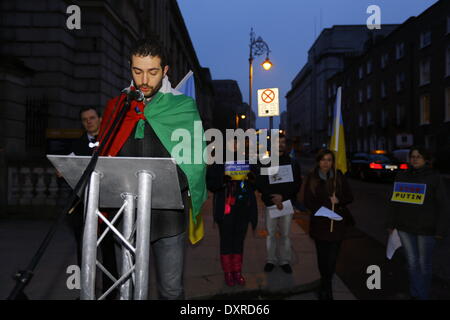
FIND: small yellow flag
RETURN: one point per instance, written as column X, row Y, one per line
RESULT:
column 196, row 230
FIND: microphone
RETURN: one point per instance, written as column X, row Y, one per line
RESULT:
column 133, row 93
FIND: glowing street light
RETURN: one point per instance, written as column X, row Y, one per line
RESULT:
column 267, row 64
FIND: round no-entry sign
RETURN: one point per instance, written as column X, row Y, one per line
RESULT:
column 268, row 96
column 268, row 102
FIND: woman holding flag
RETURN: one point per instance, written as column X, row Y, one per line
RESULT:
column 327, row 187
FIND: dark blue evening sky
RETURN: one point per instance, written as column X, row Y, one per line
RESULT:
column 220, row 30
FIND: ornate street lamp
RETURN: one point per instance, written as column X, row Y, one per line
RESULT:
column 257, row 47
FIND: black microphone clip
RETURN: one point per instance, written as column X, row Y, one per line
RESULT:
column 133, row 94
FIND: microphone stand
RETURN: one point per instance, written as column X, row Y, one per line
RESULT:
column 23, row 277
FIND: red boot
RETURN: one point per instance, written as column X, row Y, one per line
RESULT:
column 237, row 268
column 226, row 262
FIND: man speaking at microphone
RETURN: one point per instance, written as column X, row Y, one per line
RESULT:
column 146, row 132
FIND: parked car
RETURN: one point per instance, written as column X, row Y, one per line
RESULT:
column 375, row 165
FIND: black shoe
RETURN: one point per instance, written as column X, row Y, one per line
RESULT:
column 269, row 267
column 286, row 268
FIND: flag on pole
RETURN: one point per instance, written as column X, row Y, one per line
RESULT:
column 337, row 142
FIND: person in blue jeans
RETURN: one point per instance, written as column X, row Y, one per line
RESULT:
column 419, row 211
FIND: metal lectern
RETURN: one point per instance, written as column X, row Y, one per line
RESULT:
column 135, row 186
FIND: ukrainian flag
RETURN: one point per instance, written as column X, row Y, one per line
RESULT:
column 196, row 226
column 337, row 142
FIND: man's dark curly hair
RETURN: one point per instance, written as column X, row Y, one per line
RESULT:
column 149, row 46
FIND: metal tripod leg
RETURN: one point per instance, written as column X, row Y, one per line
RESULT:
column 128, row 221
column 89, row 254
column 143, row 223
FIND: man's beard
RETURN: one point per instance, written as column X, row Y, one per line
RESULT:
column 153, row 90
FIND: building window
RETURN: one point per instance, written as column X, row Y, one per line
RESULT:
column 400, row 82
column 373, row 142
column 448, row 24
column 447, row 104
column 399, row 50
column 425, row 71
column 448, row 61
column 36, row 122
column 369, row 92
column 384, row 60
column 383, row 118
column 361, row 121
column 383, row 89
column 360, row 96
column 425, row 109
column 360, row 72
column 369, row 67
column 425, row 39
column 369, row 118
column 400, row 114
column 348, row 82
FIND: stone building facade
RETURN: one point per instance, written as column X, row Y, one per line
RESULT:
column 397, row 93
column 48, row 71
column 306, row 101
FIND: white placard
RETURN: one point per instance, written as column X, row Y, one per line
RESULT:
column 327, row 213
column 393, row 244
column 268, row 102
column 280, row 174
column 287, row 210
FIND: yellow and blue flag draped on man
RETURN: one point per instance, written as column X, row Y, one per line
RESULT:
column 196, row 227
column 337, row 142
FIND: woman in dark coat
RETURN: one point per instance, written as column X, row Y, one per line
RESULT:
column 420, row 212
column 234, row 207
column 323, row 189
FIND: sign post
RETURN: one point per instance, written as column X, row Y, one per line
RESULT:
column 268, row 105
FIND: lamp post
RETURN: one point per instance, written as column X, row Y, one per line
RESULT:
column 257, row 47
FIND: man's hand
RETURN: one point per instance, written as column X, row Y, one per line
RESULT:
column 58, row 174
column 277, row 199
column 390, row 231
column 334, row 200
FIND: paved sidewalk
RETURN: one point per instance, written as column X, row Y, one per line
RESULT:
column 204, row 276
column 19, row 240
